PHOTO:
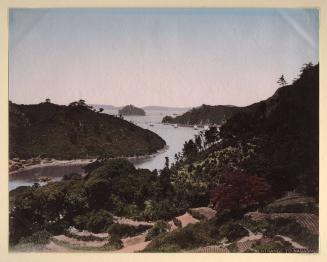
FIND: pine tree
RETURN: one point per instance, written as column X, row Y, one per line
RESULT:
column 281, row 81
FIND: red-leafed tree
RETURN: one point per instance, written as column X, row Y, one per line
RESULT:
column 238, row 190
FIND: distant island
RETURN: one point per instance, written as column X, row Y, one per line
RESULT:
column 158, row 108
column 75, row 131
column 131, row 110
column 204, row 114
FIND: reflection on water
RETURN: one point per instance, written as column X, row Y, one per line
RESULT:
column 174, row 137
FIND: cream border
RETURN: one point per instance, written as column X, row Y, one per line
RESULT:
column 5, row 4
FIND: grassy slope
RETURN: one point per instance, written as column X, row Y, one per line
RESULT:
column 62, row 132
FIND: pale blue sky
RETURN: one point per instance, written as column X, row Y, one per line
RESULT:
column 173, row 57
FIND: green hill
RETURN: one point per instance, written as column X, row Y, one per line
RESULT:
column 204, row 114
column 74, row 131
column 276, row 139
column 285, row 131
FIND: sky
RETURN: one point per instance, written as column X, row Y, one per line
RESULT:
column 167, row 57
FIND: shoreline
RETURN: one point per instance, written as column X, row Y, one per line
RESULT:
column 54, row 162
column 73, row 162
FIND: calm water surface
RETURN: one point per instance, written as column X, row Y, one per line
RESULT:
column 174, row 137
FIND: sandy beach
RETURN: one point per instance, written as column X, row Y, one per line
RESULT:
column 45, row 163
column 19, row 165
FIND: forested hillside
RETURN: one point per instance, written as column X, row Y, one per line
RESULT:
column 75, row 131
column 204, row 114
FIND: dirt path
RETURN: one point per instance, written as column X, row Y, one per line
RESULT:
column 87, row 233
column 53, row 162
column 133, row 248
column 293, row 243
column 134, row 244
column 53, row 247
column 247, row 242
column 73, row 241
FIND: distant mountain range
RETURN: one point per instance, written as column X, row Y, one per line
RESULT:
column 165, row 108
column 106, row 107
column 159, row 108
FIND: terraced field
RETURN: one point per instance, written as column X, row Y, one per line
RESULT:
column 75, row 240
column 309, row 221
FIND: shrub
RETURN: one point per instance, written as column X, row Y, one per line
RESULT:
column 255, row 226
column 187, row 238
column 233, row 231
column 83, row 238
column 38, row 238
column 94, row 221
column 159, row 228
column 177, row 222
column 165, row 209
column 196, row 214
column 115, row 242
column 233, row 247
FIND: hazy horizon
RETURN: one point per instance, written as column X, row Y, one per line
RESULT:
column 157, row 57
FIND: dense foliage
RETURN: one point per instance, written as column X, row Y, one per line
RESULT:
column 196, row 235
column 160, row 227
column 94, row 221
column 123, row 230
column 112, row 187
column 237, row 191
column 74, row 131
column 204, row 114
column 276, row 141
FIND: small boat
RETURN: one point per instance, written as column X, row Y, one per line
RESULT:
column 175, row 126
column 195, row 127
